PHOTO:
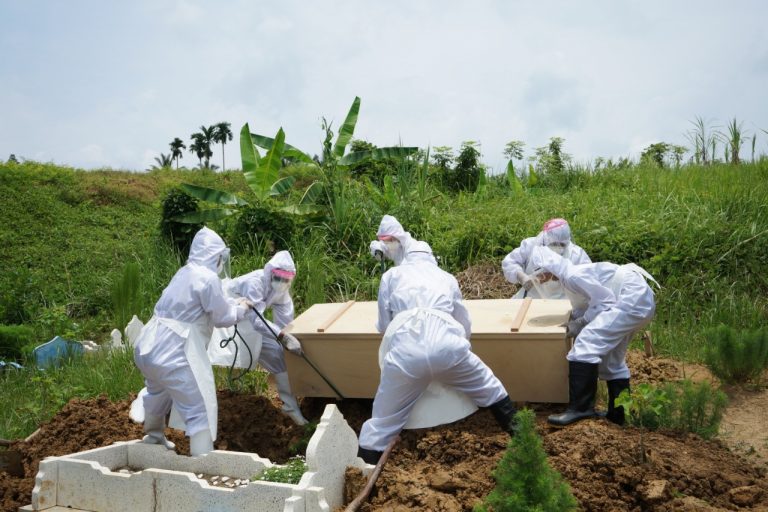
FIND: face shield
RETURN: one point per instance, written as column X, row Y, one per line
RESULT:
column 223, row 267
column 558, row 247
column 394, row 248
column 281, row 281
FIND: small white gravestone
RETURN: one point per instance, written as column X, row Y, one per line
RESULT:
column 117, row 339
column 133, row 329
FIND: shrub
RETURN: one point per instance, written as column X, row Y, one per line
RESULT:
column 685, row 406
column 524, row 479
column 290, row 473
column 737, row 356
column 259, row 223
column 180, row 234
column 13, row 338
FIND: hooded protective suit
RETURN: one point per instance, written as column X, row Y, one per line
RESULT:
column 615, row 301
column 390, row 227
column 257, row 286
column 170, row 351
column 427, row 330
column 554, row 232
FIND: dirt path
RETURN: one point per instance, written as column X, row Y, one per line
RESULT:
column 745, row 424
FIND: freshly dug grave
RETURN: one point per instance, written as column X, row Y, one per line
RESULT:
column 485, row 281
column 246, row 423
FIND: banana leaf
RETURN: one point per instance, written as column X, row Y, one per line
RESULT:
column 204, row 216
column 394, row 152
column 212, row 195
column 311, row 194
column 288, row 152
column 347, row 129
column 514, row 181
column 265, row 175
column 248, row 153
column 282, row 185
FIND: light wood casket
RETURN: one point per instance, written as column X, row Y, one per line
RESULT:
column 522, row 341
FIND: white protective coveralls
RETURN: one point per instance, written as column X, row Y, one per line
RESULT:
column 170, row 351
column 427, row 330
column 390, row 227
column 614, row 301
column 257, row 287
column 555, row 232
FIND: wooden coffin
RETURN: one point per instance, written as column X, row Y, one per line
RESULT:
column 522, row 341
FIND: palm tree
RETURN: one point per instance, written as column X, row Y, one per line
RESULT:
column 201, row 145
column 163, row 162
column 222, row 134
column 176, row 146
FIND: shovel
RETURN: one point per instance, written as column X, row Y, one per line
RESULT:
column 10, row 460
column 303, row 356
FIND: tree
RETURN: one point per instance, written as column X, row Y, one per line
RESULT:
column 222, row 133
column 525, row 482
column 656, row 153
column 176, row 146
column 163, row 161
column 202, row 141
column 514, row 150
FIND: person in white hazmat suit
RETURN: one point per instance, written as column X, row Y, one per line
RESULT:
column 427, row 329
column 170, row 351
column 610, row 304
column 518, row 268
column 393, row 241
column 270, row 288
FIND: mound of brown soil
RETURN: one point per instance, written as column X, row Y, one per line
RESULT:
column 485, row 281
column 246, row 423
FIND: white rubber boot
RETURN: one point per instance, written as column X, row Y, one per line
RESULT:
column 200, row 443
column 154, row 428
column 290, row 406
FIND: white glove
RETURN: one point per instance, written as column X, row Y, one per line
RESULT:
column 378, row 249
column 575, row 326
column 525, row 280
column 290, row 342
column 247, row 304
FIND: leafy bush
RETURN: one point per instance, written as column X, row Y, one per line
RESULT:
column 258, row 223
column 13, row 338
column 290, row 473
column 524, row 479
column 180, row 234
column 737, row 356
column 466, row 174
column 685, row 406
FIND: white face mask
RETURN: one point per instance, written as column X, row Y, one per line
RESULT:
column 280, row 287
column 559, row 249
column 394, row 250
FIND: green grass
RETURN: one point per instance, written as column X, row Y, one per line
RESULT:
column 30, row 397
column 68, row 234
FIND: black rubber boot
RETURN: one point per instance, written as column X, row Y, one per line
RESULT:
column 615, row 387
column 582, row 387
column 369, row 456
column 504, row 411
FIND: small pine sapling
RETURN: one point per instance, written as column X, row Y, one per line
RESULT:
column 525, row 482
column 643, row 407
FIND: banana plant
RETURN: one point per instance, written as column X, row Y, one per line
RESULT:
column 262, row 175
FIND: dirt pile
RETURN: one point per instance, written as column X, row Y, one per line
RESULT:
column 485, row 281
column 246, row 423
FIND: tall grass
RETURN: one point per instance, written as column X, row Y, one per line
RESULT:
column 30, row 396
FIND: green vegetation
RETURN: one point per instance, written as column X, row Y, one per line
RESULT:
column 684, row 406
column 525, row 482
column 290, row 473
column 737, row 356
column 68, row 235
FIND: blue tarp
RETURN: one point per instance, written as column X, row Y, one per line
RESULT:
column 56, row 350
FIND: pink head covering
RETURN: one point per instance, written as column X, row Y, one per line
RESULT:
column 556, row 230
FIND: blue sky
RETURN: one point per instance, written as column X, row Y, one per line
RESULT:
column 109, row 84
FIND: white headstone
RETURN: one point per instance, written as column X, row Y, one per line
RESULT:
column 117, row 339
column 133, row 329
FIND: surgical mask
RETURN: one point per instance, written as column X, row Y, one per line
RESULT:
column 280, row 285
column 558, row 247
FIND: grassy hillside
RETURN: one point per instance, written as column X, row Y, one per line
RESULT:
column 702, row 231
column 68, row 234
